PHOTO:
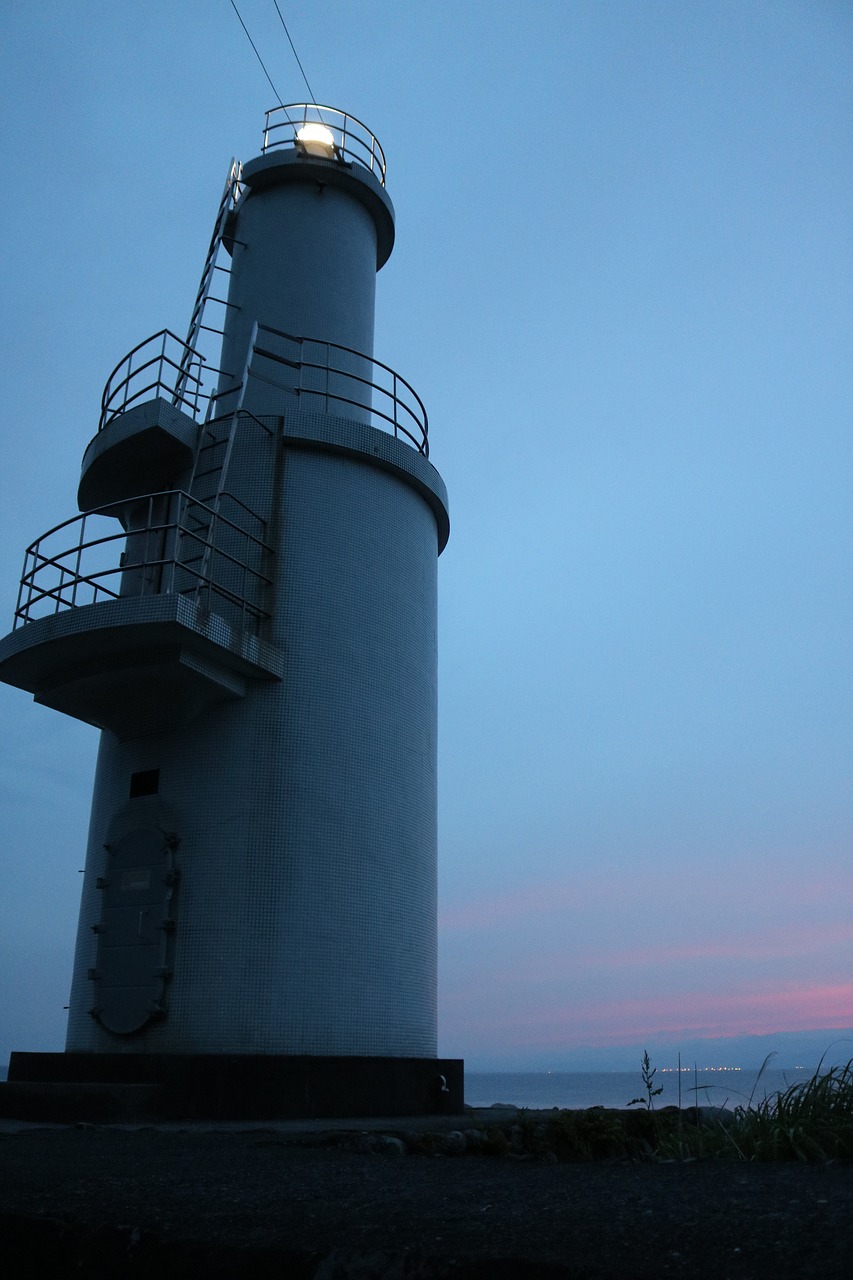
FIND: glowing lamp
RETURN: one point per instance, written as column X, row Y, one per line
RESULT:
column 316, row 140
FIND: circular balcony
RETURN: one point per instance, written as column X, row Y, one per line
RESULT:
column 332, row 378
column 139, row 629
column 170, row 544
column 160, row 365
column 324, row 132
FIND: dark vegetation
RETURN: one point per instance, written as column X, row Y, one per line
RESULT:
column 810, row 1121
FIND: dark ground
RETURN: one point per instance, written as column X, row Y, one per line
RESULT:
column 166, row 1202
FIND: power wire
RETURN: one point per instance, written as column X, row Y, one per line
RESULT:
column 260, row 59
column 295, row 54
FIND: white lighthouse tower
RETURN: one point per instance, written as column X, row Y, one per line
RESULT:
column 246, row 607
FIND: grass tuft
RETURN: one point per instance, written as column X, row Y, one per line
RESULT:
column 811, row 1120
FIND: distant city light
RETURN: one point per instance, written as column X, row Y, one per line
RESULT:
column 683, row 1070
column 316, row 139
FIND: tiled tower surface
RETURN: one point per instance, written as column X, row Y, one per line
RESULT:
column 261, row 655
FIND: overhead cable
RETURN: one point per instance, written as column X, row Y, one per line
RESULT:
column 295, row 54
column 260, row 59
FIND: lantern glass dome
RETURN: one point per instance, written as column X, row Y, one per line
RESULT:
column 316, row 139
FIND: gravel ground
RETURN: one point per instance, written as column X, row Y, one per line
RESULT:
column 145, row 1202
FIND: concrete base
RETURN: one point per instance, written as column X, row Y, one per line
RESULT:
column 124, row 1088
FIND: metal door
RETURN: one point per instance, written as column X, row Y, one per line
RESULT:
column 134, row 932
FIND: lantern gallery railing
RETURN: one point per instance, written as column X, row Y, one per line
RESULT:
column 324, row 132
column 172, row 544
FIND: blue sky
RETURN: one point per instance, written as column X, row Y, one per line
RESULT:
column 622, row 286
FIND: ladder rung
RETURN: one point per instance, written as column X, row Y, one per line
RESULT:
column 229, row 197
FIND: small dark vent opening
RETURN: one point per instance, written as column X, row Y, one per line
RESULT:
column 144, row 783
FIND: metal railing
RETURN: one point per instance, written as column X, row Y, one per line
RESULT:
column 337, row 375
column 334, row 374
column 162, row 363
column 175, row 545
column 353, row 142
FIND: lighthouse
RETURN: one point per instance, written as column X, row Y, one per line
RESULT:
column 245, row 606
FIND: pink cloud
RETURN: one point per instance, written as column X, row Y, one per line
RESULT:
column 775, row 942
column 766, row 887
column 598, row 960
column 705, row 1014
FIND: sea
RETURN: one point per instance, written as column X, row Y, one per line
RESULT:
column 728, row 1087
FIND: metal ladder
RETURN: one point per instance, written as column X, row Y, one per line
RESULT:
column 207, row 487
column 216, row 440
column 215, row 443
column 230, row 194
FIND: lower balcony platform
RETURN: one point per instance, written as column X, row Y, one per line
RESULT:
column 137, row 664
column 126, row 1088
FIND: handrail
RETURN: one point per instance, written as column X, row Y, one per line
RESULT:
column 353, row 141
column 162, row 352
column 64, row 572
column 400, row 406
column 157, row 366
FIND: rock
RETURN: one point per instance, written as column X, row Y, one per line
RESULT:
column 454, row 1143
column 387, row 1145
column 516, row 1139
column 360, row 1142
column 475, row 1139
